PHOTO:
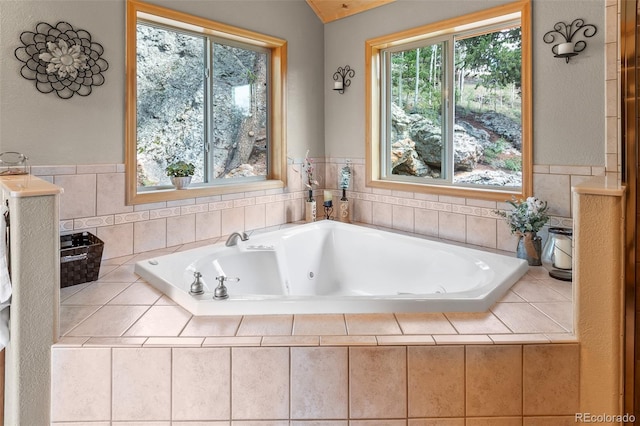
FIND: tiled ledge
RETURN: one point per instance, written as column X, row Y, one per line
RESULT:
column 299, row 341
column 19, row 186
column 121, row 310
column 601, row 185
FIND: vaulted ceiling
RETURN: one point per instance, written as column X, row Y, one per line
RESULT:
column 330, row 10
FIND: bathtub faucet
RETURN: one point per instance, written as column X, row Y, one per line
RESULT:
column 220, row 292
column 233, row 238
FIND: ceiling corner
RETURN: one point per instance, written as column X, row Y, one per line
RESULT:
column 331, row 10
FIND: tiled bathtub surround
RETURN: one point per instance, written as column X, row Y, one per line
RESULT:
column 130, row 356
column 93, row 200
column 530, row 384
column 123, row 309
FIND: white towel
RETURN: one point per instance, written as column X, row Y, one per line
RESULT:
column 5, row 285
column 5, row 281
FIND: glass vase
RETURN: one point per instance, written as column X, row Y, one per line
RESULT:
column 557, row 253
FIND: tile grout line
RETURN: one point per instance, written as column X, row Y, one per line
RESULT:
column 135, row 322
column 111, row 384
column 502, row 322
column 546, row 315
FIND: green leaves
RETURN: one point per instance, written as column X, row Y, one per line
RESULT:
column 180, row 169
column 528, row 215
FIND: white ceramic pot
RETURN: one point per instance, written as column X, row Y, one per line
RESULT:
column 181, row 182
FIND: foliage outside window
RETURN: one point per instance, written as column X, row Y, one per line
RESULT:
column 449, row 106
column 204, row 93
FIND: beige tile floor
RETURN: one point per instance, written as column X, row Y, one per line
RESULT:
column 120, row 309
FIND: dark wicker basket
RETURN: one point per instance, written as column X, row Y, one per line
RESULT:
column 80, row 257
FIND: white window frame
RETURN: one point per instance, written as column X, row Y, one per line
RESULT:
column 208, row 49
column 174, row 20
column 377, row 103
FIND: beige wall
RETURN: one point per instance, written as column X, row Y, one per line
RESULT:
column 90, row 130
column 87, row 133
column 568, row 99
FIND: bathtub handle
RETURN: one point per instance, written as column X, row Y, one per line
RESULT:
column 197, row 286
column 220, row 293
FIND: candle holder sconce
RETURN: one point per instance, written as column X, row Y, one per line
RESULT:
column 569, row 48
column 342, row 78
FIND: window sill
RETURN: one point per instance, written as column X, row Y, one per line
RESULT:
column 134, row 197
column 453, row 191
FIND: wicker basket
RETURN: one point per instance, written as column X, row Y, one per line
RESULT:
column 80, row 257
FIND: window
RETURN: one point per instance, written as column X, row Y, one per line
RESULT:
column 449, row 108
column 204, row 93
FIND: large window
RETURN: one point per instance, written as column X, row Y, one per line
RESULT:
column 203, row 93
column 449, row 106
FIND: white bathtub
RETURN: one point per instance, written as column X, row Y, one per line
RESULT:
column 332, row 267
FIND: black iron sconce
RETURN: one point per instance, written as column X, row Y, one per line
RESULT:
column 342, row 78
column 569, row 48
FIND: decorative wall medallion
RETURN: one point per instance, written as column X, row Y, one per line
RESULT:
column 61, row 59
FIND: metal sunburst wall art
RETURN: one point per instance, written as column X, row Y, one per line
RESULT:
column 61, row 58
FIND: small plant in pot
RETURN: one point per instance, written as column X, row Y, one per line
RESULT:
column 180, row 173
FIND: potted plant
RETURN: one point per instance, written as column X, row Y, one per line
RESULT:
column 180, row 173
column 525, row 220
column 309, row 181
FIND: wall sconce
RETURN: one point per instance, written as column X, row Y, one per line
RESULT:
column 569, row 48
column 341, row 80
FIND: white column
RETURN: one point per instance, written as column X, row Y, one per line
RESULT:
column 35, row 277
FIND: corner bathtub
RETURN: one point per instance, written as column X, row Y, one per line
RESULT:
column 332, row 267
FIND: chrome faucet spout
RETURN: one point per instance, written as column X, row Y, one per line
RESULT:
column 233, row 238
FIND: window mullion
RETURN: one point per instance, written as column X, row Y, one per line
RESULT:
column 385, row 118
column 449, row 106
column 208, row 119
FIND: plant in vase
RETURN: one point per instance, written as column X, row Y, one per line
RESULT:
column 180, row 173
column 345, row 179
column 525, row 220
column 309, row 181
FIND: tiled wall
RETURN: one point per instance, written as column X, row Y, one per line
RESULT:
column 613, row 122
column 458, row 219
column 321, row 386
column 93, row 200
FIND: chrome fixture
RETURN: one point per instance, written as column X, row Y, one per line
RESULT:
column 233, row 238
column 197, row 286
column 342, row 78
column 569, row 48
column 220, row 293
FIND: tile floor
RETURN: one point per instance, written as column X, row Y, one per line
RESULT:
column 120, row 309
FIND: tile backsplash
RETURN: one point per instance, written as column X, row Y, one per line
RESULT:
column 93, row 201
